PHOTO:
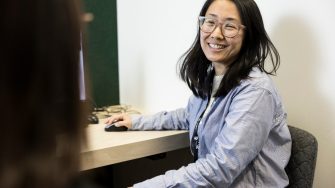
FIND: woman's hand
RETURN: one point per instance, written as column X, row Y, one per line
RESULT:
column 120, row 120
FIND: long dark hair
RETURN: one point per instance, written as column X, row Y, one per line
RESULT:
column 195, row 68
column 41, row 115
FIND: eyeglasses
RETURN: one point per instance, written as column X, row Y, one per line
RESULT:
column 228, row 28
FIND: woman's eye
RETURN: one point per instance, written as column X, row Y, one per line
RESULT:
column 210, row 22
column 230, row 26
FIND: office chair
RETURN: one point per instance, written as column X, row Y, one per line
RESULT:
column 301, row 166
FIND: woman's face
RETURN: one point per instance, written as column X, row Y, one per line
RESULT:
column 217, row 47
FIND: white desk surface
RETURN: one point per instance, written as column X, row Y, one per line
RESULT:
column 106, row 148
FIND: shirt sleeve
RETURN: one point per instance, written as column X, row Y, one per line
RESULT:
column 172, row 120
column 246, row 129
column 165, row 120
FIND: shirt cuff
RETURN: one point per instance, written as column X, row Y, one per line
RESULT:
column 134, row 120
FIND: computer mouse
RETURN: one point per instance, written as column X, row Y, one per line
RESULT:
column 113, row 128
column 93, row 119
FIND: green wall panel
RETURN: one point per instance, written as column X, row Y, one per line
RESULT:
column 102, row 54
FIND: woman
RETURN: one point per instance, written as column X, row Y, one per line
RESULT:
column 41, row 117
column 237, row 124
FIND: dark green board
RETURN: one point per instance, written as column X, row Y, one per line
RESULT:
column 101, row 52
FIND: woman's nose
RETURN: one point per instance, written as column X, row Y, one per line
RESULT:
column 217, row 33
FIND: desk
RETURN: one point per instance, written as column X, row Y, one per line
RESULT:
column 106, row 148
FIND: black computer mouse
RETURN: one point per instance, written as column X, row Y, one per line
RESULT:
column 93, row 119
column 113, row 128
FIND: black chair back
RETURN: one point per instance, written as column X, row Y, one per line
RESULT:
column 301, row 166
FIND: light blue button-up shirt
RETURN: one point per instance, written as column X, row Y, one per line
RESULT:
column 244, row 140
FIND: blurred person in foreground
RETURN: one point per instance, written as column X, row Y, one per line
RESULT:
column 41, row 114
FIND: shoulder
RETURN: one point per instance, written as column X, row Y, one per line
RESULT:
column 257, row 86
column 258, row 80
column 195, row 102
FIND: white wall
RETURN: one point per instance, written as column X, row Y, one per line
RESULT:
column 152, row 34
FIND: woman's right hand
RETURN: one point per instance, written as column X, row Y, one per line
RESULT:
column 120, row 120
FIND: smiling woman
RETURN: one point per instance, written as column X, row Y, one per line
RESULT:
column 237, row 123
column 250, row 46
column 221, row 45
